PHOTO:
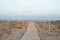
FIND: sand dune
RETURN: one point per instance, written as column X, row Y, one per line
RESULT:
column 43, row 32
column 33, row 31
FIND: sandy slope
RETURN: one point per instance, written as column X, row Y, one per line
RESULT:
column 15, row 34
column 31, row 33
column 43, row 33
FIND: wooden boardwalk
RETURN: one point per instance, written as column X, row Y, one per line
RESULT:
column 31, row 33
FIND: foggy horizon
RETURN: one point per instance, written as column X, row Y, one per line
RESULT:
column 30, row 9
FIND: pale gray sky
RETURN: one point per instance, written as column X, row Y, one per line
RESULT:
column 38, row 9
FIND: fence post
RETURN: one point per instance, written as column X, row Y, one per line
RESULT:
column 8, row 30
column 49, row 26
column 18, row 23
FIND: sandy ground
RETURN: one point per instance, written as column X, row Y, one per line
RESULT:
column 31, row 33
column 43, row 34
column 16, row 34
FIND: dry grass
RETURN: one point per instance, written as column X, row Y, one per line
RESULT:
column 54, row 27
column 7, row 29
column 15, row 24
column 55, row 22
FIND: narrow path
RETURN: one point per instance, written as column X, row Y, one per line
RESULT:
column 31, row 33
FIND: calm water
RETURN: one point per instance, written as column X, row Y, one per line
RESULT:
column 31, row 20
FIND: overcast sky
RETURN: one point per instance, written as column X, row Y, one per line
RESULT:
column 30, row 9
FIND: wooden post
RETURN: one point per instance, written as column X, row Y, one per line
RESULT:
column 7, row 22
column 19, row 27
column 42, row 26
column 8, row 29
column 18, row 23
column 49, row 26
column 24, row 22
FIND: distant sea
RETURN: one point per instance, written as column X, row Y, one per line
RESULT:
column 37, row 20
column 33, row 20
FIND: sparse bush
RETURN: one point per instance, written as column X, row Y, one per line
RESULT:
column 58, row 27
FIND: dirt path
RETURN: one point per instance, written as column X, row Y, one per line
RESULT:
column 31, row 33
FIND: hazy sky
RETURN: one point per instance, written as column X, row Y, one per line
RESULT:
column 30, row 9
